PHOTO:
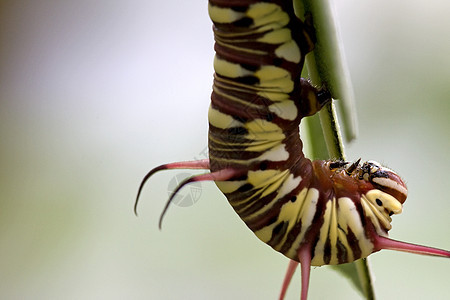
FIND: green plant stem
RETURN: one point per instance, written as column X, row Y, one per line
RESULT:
column 326, row 68
column 327, row 116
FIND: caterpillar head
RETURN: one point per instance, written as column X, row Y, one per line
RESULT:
column 389, row 192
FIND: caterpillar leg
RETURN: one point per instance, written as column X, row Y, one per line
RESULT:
column 195, row 164
column 304, row 256
column 386, row 243
column 312, row 98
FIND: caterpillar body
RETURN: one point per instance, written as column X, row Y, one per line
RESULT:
column 313, row 212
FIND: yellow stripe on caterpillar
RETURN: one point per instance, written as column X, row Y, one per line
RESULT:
column 224, row 15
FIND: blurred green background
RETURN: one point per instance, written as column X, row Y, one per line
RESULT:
column 95, row 93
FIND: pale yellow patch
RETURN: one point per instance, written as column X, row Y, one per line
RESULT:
column 323, row 236
column 333, row 233
column 263, row 130
column 289, row 212
column 260, row 125
column 265, row 136
column 265, row 233
column 289, row 183
column 259, row 10
column 229, row 186
column 221, row 120
column 308, row 208
column 273, row 96
column 229, row 69
column 377, row 213
column 382, row 217
column 268, row 73
column 267, row 14
column 286, row 110
column 329, row 230
column 231, row 98
column 348, row 217
column 261, row 147
column 308, row 199
column 342, row 236
column 367, row 207
column 264, row 183
column 279, row 36
column 262, row 178
column 223, row 15
column 285, row 85
column 289, row 51
column 273, row 186
column 389, row 202
column 278, row 153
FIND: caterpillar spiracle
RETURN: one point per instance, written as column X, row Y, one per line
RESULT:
column 315, row 213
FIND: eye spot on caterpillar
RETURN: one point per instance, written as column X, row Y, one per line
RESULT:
column 294, row 198
column 379, row 202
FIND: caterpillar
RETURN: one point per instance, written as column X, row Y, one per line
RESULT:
column 316, row 213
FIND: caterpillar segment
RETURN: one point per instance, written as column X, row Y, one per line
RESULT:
column 313, row 212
